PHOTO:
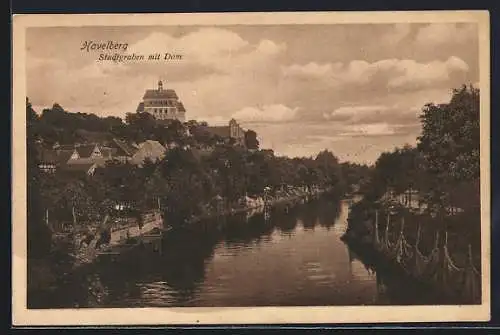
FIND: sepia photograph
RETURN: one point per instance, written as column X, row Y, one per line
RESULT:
column 190, row 164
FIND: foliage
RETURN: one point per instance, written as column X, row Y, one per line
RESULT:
column 444, row 166
column 39, row 235
column 449, row 144
column 251, row 141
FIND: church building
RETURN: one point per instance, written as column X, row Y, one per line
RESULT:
column 163, row 104
column 232, row 131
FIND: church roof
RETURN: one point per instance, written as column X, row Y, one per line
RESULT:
column 140, row 107
column 160, row 94
column 180, row 107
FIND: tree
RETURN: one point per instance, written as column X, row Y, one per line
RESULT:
column 251, row 141
column 450, row 145
column 39, row 235
column 329, row 167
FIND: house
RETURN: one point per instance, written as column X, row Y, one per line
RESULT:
column 149, row 149
column 122, row 151
column 231, row 131
column 133, row 153
column 163, row 104
column 66, row 153
column 83, row 154
column 89, row 150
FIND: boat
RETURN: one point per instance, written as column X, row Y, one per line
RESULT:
column 112, row 237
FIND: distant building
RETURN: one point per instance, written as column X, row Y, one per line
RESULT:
column 137, row 153
column 152, row 150
column 163, row 104
column 82, row 154
column 76, row 158
column 231, row 131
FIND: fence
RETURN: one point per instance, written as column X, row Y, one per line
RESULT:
column 437, row 267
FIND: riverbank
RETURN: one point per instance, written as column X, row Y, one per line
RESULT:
column 236, row 264
column 44, row 276
column 436, row 254
column 284, row 201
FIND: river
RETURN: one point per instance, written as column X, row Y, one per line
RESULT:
column 294, row 259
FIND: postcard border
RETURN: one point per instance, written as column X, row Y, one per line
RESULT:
column 254, row 315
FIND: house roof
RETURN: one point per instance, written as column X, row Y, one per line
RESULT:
column 124, row 148
column 100, row 161
column 149, row 149
column 160, row 94
column 85, row 150
column 63, row 156
column 83, row 167
column 108, row 152
column 153, row 146
column 222, row 131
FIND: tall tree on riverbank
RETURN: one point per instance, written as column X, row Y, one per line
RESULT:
column 449, row 143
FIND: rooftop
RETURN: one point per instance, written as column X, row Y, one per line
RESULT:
column 85, row 150
column 160, row 94
column 125, row 148
column 63, row 156
column 84, row 167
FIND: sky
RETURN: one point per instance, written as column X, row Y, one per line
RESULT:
column 354, row 89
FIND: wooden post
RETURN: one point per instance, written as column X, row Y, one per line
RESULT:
column 417, row 240
column 470, row 255
column 387, row 224
column 74, row 216
column 386, row 242
column 402, row 224
column 436, row 242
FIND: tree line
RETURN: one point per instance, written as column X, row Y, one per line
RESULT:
column 442, row 169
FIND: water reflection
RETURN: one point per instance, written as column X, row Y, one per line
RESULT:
column 289, row 259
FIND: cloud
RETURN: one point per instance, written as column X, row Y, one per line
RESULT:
column 311, row 69
column 392, row 73
column 267, row 113
column 441, row 34
column 411, row 73
column 373, row 129
column 355, row 112
column 220, row 49
column 200, row 45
